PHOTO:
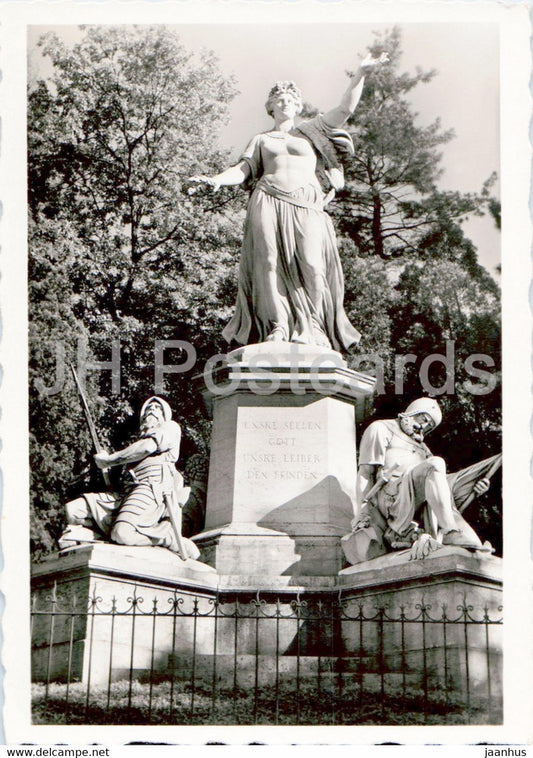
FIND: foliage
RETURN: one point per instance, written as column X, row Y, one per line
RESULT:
column 430, row 289
column 392, row 198
column 118, row 250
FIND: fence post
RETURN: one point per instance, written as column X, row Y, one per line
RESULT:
column 134, row 602
column 486, row 622
column 53, row 602
column 445, row 646
column 214, row 674
column 381, row 659
column 152, row 657
column 111, row 644
column 94, row 600
column 175, row 601
column 278, row 612
column 465, row 612
column 193, row 667
column 70, row 646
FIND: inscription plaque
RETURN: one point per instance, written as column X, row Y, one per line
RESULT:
column 280, row 453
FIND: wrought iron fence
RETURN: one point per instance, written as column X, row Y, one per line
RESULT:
column 200, row 659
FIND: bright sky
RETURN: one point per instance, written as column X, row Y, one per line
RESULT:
column 464, row 94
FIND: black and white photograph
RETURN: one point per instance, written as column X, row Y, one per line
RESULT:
column 256, row 262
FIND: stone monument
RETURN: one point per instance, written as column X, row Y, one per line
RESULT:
column 283, row 487
column 399, row 480
column 282, row 474
column 281, row 483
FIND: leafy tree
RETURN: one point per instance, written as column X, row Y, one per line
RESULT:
column 59, row 443
column 413, row 278
column 128, row 116
column 117, row 250
column 392, row 195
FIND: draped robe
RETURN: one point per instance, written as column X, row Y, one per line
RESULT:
column 290, row 275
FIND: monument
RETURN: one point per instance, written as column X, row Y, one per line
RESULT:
column 283, row 486
column 410, row 546
column 280, row 489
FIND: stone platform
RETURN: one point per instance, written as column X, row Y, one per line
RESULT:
column 105, row 612
column 462, row 587
column 80, row 593
column 446, row 575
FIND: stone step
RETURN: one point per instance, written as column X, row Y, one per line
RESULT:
column 287, row 679
column 270, row 666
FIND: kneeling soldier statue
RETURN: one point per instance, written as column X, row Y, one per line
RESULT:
column 146, row 510
column 399, row 480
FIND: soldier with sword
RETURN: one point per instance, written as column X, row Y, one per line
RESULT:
column 147, row 508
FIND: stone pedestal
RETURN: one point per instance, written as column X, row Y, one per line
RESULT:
column 106, row 613
column 93, row 611
column 283, row 460
column 450, row 603
column 446, row 576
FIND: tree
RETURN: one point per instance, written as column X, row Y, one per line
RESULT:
column 413, row 278
column 129, row 116
column 392, row 197
column 117, row 250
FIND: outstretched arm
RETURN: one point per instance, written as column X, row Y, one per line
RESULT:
column 131, row 454
column 231, row 176
column 337, row 116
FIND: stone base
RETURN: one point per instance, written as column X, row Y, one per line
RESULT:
column 236, row 547
column 446, row 575
column 248, row 549
column 123, row 612
column 453, row 583
column 283, row 460
column 104, row 612
column 111, row 563
column 84, row 586
column 287, row 367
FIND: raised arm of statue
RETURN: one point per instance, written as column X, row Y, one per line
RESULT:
column 339, row 115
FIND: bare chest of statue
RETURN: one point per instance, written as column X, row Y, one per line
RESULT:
column 288, row 160
column 283, row 143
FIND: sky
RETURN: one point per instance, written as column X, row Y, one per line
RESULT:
column 464, row 94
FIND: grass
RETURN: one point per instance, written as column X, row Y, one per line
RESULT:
column 308, row 706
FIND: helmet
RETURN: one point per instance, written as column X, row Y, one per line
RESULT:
column 425, row 405
column 167, row 413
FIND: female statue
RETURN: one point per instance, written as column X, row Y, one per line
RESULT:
column 291, row 284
